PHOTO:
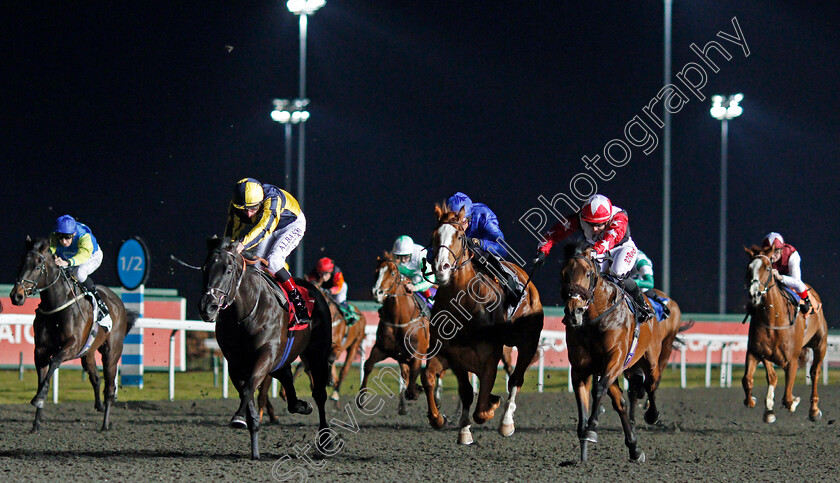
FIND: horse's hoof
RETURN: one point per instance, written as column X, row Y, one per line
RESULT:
column 360, row 400
column 437, row 423
column 302, row 407
column 238, row 422
column 639, row 459
column 769, row 417
column 794, row 404
column 38, row 403
column 334, row 396
column 99, row 407
column 651, row 417
column 590, row 436
column 815, row 416
column 465, row 437
column 750, row 403
column 506, row 429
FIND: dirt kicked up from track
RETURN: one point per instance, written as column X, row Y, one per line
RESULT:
column 703, row 434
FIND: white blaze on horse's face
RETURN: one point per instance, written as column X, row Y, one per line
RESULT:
column 378, row 292
column 445, row 259
column 755, row 283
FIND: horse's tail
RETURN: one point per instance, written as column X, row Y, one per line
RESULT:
column 679, row 342
column 131, row 317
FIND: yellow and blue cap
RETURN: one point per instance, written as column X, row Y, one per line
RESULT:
column 247, row 194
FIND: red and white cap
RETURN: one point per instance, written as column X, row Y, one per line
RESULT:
column 597, row 210
column 774, row 240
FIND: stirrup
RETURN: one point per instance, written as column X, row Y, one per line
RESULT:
column 298, row 325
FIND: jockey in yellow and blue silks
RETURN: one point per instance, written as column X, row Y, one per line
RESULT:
column 268, row 221
column 75, row 249
column 484, row 237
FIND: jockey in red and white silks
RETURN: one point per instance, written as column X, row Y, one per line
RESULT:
column 786, row 266
column 607, row 230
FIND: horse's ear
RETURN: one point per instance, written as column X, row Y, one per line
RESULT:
column 439, row 211
column 749, row 252
column 213, row 243
column 29, row 243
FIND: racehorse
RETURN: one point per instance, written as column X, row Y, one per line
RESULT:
column 252, row 332
column 403, row 330
column 605, row 340
column 346, row 339
column 779, row 332
column 470, row 326
column 65, row 329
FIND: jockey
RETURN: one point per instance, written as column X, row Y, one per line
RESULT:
column 268, row 220
column 484, row 237
column 607, row 231
column 75, row 248
column 327, row 274
column 786, row 267
column 410, row 258
column 642, row 271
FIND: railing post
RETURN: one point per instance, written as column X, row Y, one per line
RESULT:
column 172, row 365
column 55, row 386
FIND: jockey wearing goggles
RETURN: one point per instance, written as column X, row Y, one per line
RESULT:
column 786, row 267
column 607, row 231
column 268, row 220
column 75, row 248
column 410, row 258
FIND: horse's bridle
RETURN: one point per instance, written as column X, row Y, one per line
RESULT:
column 225, row 295
column 400, row 279
column 42, row 268
column 576, row 290
column 767, row 285
column 465, row 253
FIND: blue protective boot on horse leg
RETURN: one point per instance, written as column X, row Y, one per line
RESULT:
column 302, row 318
column 90, row 287
column 635, row 292
column 493, row 264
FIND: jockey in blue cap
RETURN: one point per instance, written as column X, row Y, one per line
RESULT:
column 269, row 221
column 75, row 249
column 485, row 239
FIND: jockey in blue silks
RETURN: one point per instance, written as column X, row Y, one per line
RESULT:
column 484, row 237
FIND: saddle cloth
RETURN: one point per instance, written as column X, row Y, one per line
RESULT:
column 283, row 297
column 660, row 309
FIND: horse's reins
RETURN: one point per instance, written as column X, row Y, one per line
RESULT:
column 391, row 293
column 767, row 286
column 234, row 287
column 590, row 294
column 34, row 290
column 462, row 237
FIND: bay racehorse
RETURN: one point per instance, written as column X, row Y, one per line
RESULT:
column 65, row 329
column 779, row 333
column 403, row 330
column 252, row 332
column 470, row 326
column 604, row 340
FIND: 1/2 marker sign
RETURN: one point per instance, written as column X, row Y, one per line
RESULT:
column 133, row 263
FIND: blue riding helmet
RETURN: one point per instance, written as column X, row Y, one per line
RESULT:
column 460, row 200
column 65, row 224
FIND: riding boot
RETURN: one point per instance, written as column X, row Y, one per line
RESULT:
column 302, row 317
column 639, row 298
column 506, row 280
column 91, row 288
column 805, row 305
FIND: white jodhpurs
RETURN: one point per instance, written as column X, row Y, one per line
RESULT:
column 85, row 269
column 280, row 244
column 620, row 260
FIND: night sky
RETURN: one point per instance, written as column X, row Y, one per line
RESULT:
column 137, row 118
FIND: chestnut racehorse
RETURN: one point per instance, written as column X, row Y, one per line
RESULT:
column 778, row 334
column 605, row 340
column 65, row 329
column 470, row 326
column 403, row 330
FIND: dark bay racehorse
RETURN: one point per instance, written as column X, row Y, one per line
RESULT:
column 65, row 329
column 252, row 332
column 403, row 330
column 779, row 332
column 605, row 340
column 470, row 326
